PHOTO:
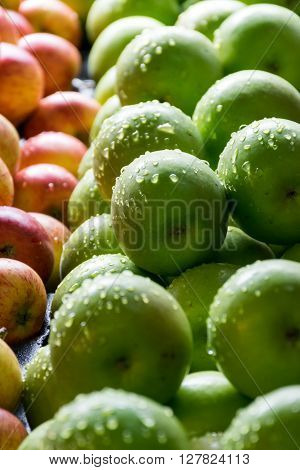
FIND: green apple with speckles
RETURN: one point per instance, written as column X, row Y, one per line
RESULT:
column 254, row 327
column 264, row 37
column 210, row 441
column 110, row 107
column 105, row 12
column 261, row 175
column 137, row 129
column 206, row 403
column 86, row 163
column 238, row 100
column 271, row 422
column 195, row 290
column 122, row 331
column 93, row 238
column 111, row 42
column 85, row 201
column 170, row 64
column 113, row 420
column 107, row 86
column 169, row 212
column 37, row 438
column 293, row 253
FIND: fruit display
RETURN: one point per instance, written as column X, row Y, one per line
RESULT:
column 149, row 225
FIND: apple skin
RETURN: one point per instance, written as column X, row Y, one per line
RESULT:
column 110, row 107
column 23, row 301
column 11, row 4
column 195, row 290
column 293, row 253
column 145, row 127
column 240, row 249
column 8, row 32
column 258, row 306
column 86, row 201
column 6, row 186
column 22, row 83
column 80, row 6
column 161, row 234
column 44, row 188
column 94, row 237
column 21, row 24
column 54, row 17
column 12, row 431
column 210, row 441
column 266, row 27
column 86, row 163
column 206, row 402
column 11, row 377
column 147, row 67
column 261, row 177
column 239, row 99
column 89, row 269
column 206, row 16
column 105, row 12
column 69, row 112
column 59, row 59
column 132, row 423
column 107, row 86
column 106, row 306
column 22, row 238
column 59, row 234
column 111, row 42
column 272, row 423
column 9, row 145
column 53, row 147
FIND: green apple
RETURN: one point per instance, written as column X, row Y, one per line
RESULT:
column 264, row 37
column 239, row 99
column 94, row 237
column 40, row 395
column 113, row 420
column 80, row 6
column 177, row 212
column 241, row 249
column 278, row 250
column 137, row 129
column 170, row 64
column 36, row 440
column 206, row 16
column 254, row 327
column 291, row 4
column 107, row 86
column 86, row 163
column 105, row 12
column 121, row 331
column 206, row 402
column 293, row 253
column 261, row 175
column 271, row 422
column 195, row 290
column 110, row 107
column 103, row 264
column 111, row 42
column 85, row 201
column 210, row 441
column 11, row 376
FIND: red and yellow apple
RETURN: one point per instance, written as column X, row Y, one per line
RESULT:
column 11, row 384
column 53, row 147
column 13, row 4
column 6, row 186
column 22, row 83
column 20, row 23
column 69, row 112
column 22, row 238
column 12, row 431
column 9, row 144
column 8, row 32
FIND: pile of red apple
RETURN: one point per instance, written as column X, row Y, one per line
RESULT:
column 163, row 214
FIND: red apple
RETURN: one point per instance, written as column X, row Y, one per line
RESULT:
column 8, row 32
column 53, row 17
column 9, row 145
column 23, row 301
column 58, row 57
column 59, row 234
column 69, row 112
column 11, row 4
column 53, row 147
column 22, row 238
column 21, row 24
column 22, row 83
column 6, row 186
column 44, row 188
column 12, row 431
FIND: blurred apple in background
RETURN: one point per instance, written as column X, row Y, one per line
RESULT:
column 58, row 57
column 22, row 83
column 11, row 385
column 9, row 144
column 59, row 234
column 53, row 147
column 81, row 6
column 53, row 17
column 69, row 112
column 20, row 23
column 23, row 300
column 6, row 185
column 8, row 32
column 12, row 431
column 44, row 188
column 23, row 238
column 13, row 4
